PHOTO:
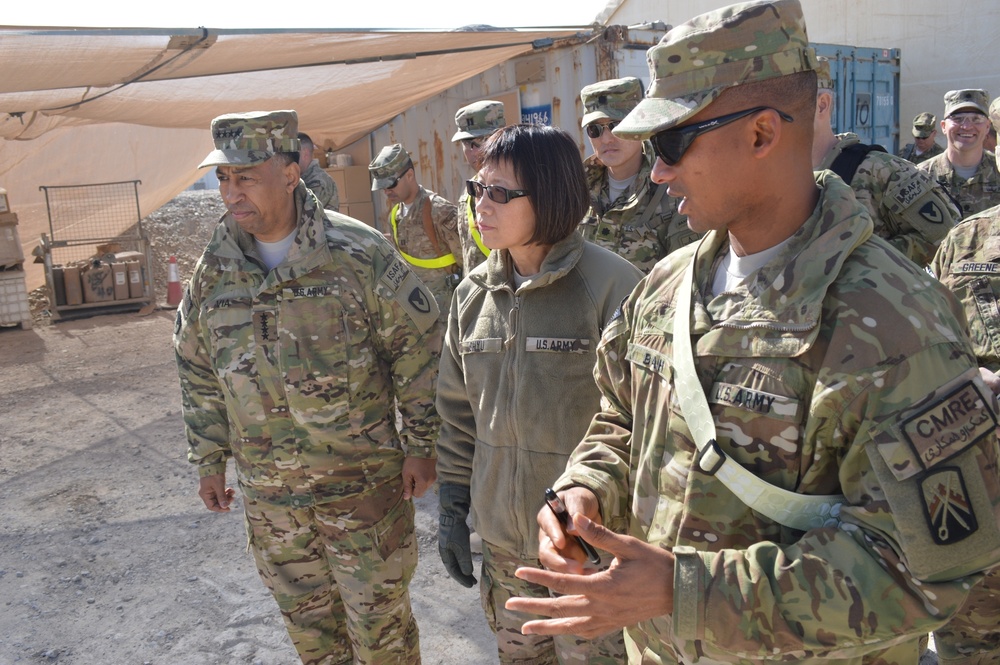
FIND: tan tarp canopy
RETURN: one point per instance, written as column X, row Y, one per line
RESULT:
column 81, row 106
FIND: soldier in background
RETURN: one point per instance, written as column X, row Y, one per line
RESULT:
column 475, row 122
column 423, row 224
column 924, row 144
column 908, row 208
column 629, row 214
column 300, row 334
column 765, row 436
column 316, row 179
column 966, row 170
column 968, row 263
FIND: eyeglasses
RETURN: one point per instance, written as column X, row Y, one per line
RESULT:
column 671, row 144
column 392, row 185
column 595, row 129
column 974, row 119
column 496, row 193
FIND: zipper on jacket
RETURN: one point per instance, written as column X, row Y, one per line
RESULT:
column 513, row 354
column 777, row 327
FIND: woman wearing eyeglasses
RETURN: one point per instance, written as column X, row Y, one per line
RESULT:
column 516, row 389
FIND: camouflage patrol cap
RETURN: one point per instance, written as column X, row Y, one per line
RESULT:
column 969, row 99
column 995, row 114
column 697, row 60
column 924, row 125
column 824, row 79
column 246, row 139
column 478, row 119
column 391, row 163
column 611, row 99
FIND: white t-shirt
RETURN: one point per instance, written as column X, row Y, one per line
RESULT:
column 735, row 270
column 274, row 253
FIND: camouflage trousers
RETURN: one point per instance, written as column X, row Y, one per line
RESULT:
column 498, row 584
column 340, row 573
column 972, row 637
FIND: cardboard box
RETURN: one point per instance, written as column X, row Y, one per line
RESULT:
column 11, row 253
column 119, row 274
column 98, row 282
column 364, row 212
column 135, row 289
column 59, row 285
column 353, row 183
column 73, row 285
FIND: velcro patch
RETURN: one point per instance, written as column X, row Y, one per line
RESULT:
column 971, row 267
column 557, row 344
column 395, row 274
column 648, row 358
column 950, row 425
column 947, row 507
column 908, row 193
column 319, row 291
column 758, row 401
column 932, row 212
column 488, row 345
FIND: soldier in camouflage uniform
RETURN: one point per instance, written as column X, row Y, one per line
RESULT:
column 316, row 179
column 629, row 214
column 423, row 224
column 300, row 334
column 966, row 170
column 846, row 498
column 968, row 263
column 909, row 209
column 924, row 145
column 475, row 122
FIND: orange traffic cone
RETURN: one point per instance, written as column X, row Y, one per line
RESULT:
column 173, row 283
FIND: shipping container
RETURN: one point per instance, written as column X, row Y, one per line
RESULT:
column 866, row 92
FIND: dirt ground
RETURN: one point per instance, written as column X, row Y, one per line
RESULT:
column 107, row 555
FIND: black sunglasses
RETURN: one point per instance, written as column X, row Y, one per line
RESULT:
column 496, row 193
column 595, row 129
column 671, row 144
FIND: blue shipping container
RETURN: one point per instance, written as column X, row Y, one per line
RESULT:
column 866, row 92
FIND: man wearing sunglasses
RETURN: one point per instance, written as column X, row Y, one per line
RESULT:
column 629, row 214
column 908, row 208
column 423, row 224
column 924, row 145
column 764, row 467
column 966, row 169
column 475, row 122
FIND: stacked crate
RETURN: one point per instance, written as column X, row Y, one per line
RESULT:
column 14, row 308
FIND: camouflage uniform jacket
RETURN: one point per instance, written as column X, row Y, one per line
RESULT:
column 472, row 255
column 293, row 372
column 968, row 263
column 511, row 359
column 839, row 370
column 908, row 208
column 615, row 224
column 909, row 153
column 976, row 194
column 322, row 185
column 413, row 241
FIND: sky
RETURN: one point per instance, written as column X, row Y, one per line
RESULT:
column 443, row 14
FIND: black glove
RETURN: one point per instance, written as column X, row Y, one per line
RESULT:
column 453, row 533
